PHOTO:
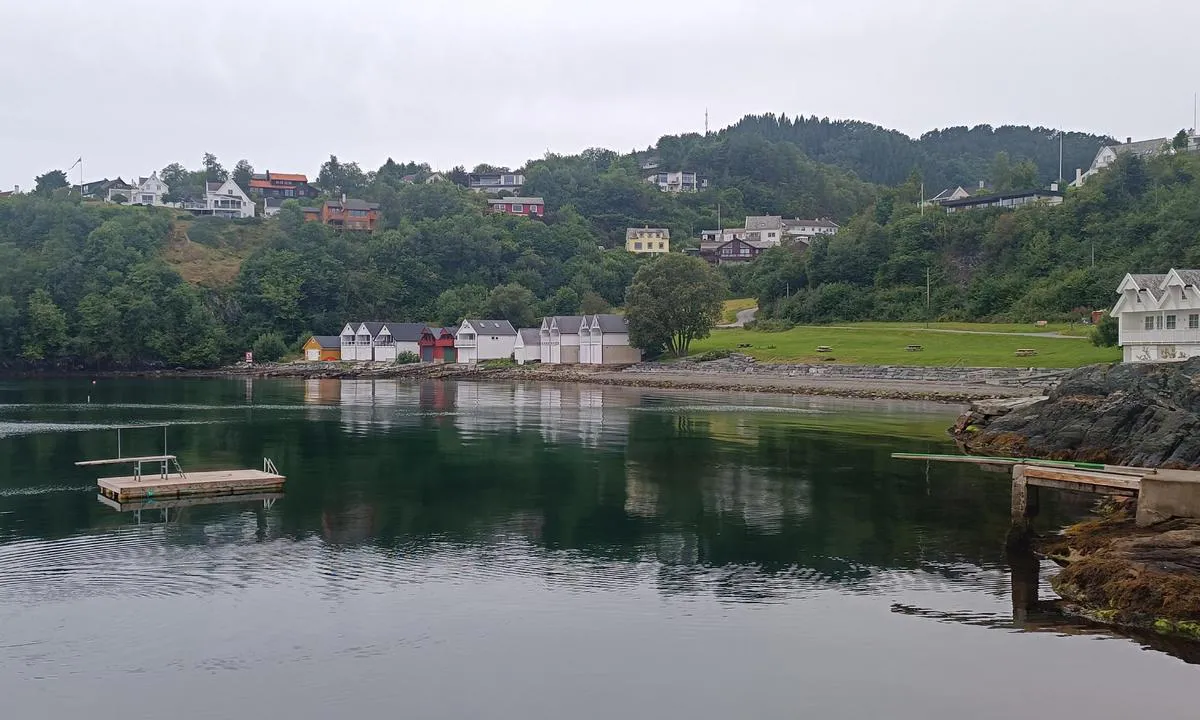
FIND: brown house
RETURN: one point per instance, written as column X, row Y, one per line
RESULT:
column 345, row 214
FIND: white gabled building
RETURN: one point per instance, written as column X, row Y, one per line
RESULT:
column 528, row 347
column 223, row 199
column 357, row 341
column 604, row 340
column 1159, row 316
column 485, row 340
column 560, row 339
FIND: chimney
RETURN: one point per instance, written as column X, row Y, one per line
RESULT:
column 1128, row 140
column 1053, row 187
column 1078, row 175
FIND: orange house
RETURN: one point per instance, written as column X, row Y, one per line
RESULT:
column 345, row 214
column 323, row 348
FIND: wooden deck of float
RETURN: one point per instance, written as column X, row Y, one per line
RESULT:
column 215, row 482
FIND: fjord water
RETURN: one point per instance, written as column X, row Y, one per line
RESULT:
column 526, row 551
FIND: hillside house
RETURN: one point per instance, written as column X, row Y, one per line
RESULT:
column 1010, row 200
column 272, row 206
column 496, row 181
column 345, row 214
column 560, row 339
column 532, row 207
column 528, row 347
column 735, row 250
column 1158, row 316
column 437, row 345
column 282, row 185
column 146, row 191
column 809, row 229
column 323, row 348
column 223, row 199
column 1108, row 155
column 479, row 340
column 954, row 192
column 604, row 340
column 682, row 181
column 648, row 240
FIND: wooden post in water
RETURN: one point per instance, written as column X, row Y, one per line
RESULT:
column 1024, row 509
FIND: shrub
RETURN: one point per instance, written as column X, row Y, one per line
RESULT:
column 713, row 355
column 269, row 347
column 1105, row 334
column 407, row 357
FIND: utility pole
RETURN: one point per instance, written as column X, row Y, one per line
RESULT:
column 1060, row 158
column 922, row 199
column 705, row 122
column 926, row 296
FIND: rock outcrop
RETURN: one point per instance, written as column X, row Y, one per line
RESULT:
column 1145, row 415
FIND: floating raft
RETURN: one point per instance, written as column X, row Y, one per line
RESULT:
column 169, row 481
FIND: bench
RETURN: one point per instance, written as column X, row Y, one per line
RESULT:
column 914, row 348
column 1025, row 352
column 824, row 349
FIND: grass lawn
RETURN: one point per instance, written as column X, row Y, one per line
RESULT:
column 884, row 344
column 1076, row 330
column 732, row 307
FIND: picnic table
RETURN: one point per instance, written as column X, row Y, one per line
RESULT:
column 914, row 348
column 1025, row 352
column 824, row 349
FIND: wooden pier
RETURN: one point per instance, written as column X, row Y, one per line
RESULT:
column 1160, row 494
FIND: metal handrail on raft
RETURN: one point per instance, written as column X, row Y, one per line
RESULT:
column 164, row 462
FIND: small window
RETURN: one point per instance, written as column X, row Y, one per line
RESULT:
column 1193, row 322
column 637, row 246
column 518, row 207
column 1149, row 322
column 1170, row 322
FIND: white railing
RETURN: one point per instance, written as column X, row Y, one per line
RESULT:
column 269, row 466
column 1161, row 337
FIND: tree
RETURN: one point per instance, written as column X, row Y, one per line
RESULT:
column 51, row 181
column 1106, row 333
column 591, row 303
column 269, row 347
column 512, row 302
column 178, row 182
column 51, row 327
column 243, row 173
column 213, row 171
column 1180, row 142
column 458, row 303
column 338, row 178
column 672, row 301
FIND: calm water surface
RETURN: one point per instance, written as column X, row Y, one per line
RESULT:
column 526, row 551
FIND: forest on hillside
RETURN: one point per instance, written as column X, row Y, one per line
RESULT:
column 92, row 284
column 1050, row 262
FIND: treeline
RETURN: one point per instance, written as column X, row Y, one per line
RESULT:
column 952, row 156
column 984, row 265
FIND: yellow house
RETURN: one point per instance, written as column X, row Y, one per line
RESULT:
column 323, row 348
column 648, row 240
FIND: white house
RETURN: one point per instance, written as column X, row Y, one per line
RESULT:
column 560, row 339
column 1108, row 155
column 223, row 199
column 356, row 341
column 1159, row 316
column 380, row 342
column 528, row 347
column 144, row 191
column 810, row 228
column 604, row 340
column 485, row 340
column 678, row 181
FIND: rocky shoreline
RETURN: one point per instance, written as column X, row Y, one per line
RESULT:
column 1116, row 572
column 736, row 373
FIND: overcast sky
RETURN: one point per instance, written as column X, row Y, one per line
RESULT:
column 135, row 85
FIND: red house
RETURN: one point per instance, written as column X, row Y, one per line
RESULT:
column 437, row 345
column 533, row 207
column 281, row 185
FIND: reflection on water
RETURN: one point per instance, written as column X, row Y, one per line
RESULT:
column 522, row 550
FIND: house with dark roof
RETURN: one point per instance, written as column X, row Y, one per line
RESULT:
column 496, row 181
column 560, row 339
column 1108, row 155
column 1008, row 200
column 479, row 340
column 437, row 345
column 380, row 341
column 1158, row 316
column 345, row 214
column 323, row 348
column 528, row 347
column 532, row 207
column 281, row 185
column 604, row 340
